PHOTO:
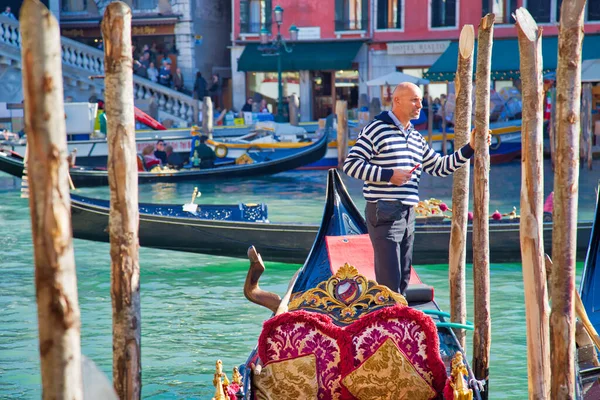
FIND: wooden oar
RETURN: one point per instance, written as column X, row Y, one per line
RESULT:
column 579, row 308
column 587, row 324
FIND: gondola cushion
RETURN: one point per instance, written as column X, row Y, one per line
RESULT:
column 349, row 359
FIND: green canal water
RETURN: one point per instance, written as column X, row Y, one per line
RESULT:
column 193, row 309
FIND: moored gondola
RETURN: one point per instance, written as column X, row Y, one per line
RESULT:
column 255, row 165
column 285, row 242
column 587, row 353
column 337, row 334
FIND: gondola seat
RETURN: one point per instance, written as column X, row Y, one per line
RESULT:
column 359, row 249
column 350, row 338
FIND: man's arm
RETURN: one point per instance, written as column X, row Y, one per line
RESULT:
column 357, row 164
column 442, row 166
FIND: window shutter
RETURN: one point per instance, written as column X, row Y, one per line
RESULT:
column 339, row 15
column 485, row 7
column 268, row 14
column 364, row 15
column 244, row 16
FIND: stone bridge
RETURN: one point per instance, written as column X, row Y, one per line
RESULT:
column 80, row 63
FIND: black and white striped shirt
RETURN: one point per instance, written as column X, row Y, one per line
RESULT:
column 383, row 145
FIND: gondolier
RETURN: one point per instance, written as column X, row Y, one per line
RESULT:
column 390, row 155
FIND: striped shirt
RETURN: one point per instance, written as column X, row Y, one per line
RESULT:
column 383, row 145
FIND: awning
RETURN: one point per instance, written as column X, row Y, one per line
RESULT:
column 322, row 56
column 590, row 71
column 505, row 60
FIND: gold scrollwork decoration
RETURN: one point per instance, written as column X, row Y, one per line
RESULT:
column 346, row 296
column 460, row 388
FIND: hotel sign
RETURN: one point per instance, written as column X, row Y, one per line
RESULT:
column 406, row 48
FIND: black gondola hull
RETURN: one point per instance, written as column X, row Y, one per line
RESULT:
column 85, row 177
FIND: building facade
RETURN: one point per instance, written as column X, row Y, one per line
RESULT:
column 325, row 63
column 390, row 35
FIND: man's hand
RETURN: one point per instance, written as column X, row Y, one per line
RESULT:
column 472, row 138
column 401, row 176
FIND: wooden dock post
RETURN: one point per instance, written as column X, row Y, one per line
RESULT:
column 341, row 111
column 429, row 120
column 537, row 309
column 586, row 123
column 481, row 194
column 207, row 117
column 294, row 104
column 566, row 189
column 124, row 214
column 50, row 204
column 552, row 127
column 444, row 134
column 460, row 186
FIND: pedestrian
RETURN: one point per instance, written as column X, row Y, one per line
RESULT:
column 8, row 13
column 152, row 73
column 178, row 83
column 164, row 75
column 390, row 155
column 215, row 91
column 199, row 86
column 248, row 106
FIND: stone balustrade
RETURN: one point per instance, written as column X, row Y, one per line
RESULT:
column 88, row 62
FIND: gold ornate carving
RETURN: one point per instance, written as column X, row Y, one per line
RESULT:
column 236, row 377
column 459, row 387
column 346, row 296
column 388, row 374
column 217, row 383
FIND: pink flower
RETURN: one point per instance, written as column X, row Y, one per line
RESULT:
column 496, row 216
column 443, row 207
column 470, row 215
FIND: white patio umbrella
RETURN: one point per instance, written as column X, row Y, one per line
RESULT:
column 395, row 78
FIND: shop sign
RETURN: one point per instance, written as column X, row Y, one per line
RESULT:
column 405, row 48
column 309, row 32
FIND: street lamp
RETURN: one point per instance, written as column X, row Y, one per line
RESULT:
column 275, row 48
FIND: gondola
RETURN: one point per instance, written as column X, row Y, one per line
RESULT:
column 259, row 164
column 289, row 243
column 169, row 227
column 337, row 334
column 589, row 372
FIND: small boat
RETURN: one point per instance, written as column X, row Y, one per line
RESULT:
column 338, row 334
column 254, row 165
column 590, row 292
column 288, row 243
column 505, row 147
column 93, row 151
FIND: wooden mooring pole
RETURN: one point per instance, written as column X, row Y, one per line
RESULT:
column 341, row 111
column 566, row 189
column 537, row 308
column 50, row 204
column 460, row 188
column 481, row 194
column 207, row 117
column 124, row 214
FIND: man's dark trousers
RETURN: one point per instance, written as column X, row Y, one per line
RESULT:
column 391, row 227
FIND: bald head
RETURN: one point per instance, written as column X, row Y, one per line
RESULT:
column 406, row 102
column 405, row 87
